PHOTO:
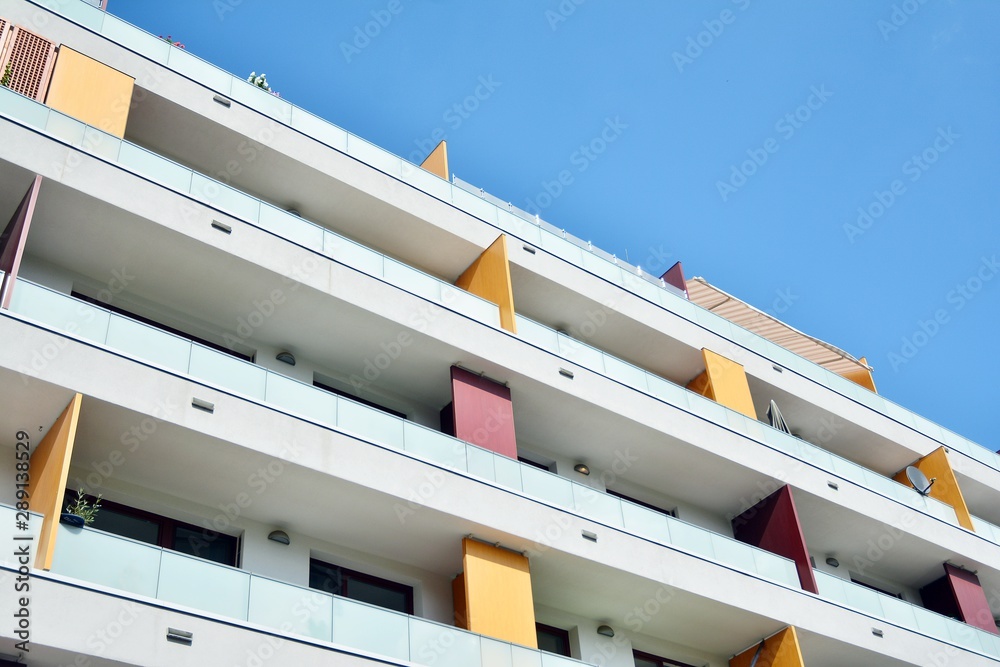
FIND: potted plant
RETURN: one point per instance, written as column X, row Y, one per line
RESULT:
column 81, row 512
column 261, row 82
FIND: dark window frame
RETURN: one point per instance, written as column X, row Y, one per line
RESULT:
column 563, row 636
column 357, row 399
column 347, row 575
column 650, row 506
column 162, row 327
column 166, row 528
column 664, row 662
column 898, row 596
column 535, row 464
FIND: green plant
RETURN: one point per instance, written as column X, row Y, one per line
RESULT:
column 84, row 508
column 261, row 82
column 8, row 73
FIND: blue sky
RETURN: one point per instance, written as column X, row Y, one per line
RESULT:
column 834, row 161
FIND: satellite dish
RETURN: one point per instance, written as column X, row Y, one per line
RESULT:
column 919, row 480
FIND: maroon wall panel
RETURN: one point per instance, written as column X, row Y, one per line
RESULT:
column 675, row 276
column 12, row 241
column 973, row 607
column 773, row 525
column 481, row 412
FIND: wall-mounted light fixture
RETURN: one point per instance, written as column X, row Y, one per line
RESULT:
column 279, row 536
column 582, row 468
column 832, row 562
column 286, row 357
column 606, row 631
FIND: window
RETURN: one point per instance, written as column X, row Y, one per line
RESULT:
column 536, row 464
column 672, row 513
column 552, row 640
column 165, row 532
column 359, row 586
column 649, row 660
column 358, row 399
column 877, row 589
column 161, row 327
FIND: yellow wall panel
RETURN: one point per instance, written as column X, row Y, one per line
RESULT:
column 780, row 650
column 90, row 91
column 498, row 600
column 489, row 277
column 725, row 382
column 49, row 470
column 946, row 487
column 862, row 377
column 437, row 161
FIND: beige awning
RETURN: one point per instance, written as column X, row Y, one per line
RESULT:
column 743, row 314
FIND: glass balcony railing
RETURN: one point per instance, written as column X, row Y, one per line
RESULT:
column 495, row 212
column 148, row 571
column 322, row 240
column 284, row 224
column 150, row 344
column 907, row 615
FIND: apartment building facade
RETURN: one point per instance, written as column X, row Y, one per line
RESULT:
column 340, row 408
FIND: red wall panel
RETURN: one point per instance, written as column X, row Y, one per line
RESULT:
column 773, row 525
column 973, row 608
column 12, row 241
column 481, row 412
column 675, row 276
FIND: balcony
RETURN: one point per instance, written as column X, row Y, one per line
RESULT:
column 177, row 579
column 495, row 212
column 323, row 241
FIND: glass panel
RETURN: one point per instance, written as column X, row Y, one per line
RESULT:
column 352, row 254
column 625, row 373
column 438, row 447
column 373, row 155
column 372, row 629
column 775, row 567
column 292, row 608
column 412, row 280
column 131, row 37
column 830, row 587
column 203, row 585
column 601, row 267
column 442, row 646
column 508, row 471
column 525, row 657
column 646, row 522
column 319, row 129
column 580, row 353
column 155, row 167
column 550, row 660
column 536, row 334
column 426, row 181
column 548, row 487
column 597, row 505
column 260, row 100
column 474, row 205
column 707, row 408
column 964, row 635
column 562, row 248
column 200, row 71
column 149, row 343
column 301, row 399
column 290, row 227
column 90, row 555
column 480, row 462
column 101, row 144
column 863, row 598
column 26, row 110
column 930, row 623
column 228, row 372
column 898, row 611
column 84, row 14
column 691, row 538
column 495, row 653
column 471, row 305
column 733, row 553
column 668, row 391
column 60, row 312
column 65, row 128
column 523, row 229
column 227, row 198
column 371, row 424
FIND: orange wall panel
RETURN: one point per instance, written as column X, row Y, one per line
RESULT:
column 90, row 91
column 725, row 382
column 437, row 161
column 862, row 377
column 780, row 650
column 498, row 599
column 946, row 487
column 49, row 471
column 489, row 277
